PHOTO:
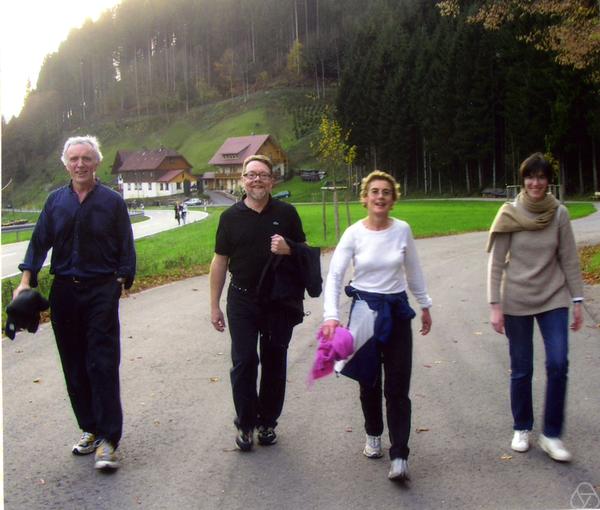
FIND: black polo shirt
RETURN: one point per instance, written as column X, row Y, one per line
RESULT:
column 244, row 236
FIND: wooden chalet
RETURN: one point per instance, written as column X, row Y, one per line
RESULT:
column 230, row 157
column 152, row 173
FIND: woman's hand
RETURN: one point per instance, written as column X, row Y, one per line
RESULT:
column 425, row 321
column 497, row 318
column 577, row 317
column 328, row 328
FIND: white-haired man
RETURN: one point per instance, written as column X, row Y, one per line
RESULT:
column 93, row 257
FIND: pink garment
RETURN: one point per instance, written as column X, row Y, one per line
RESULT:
column 341, row 346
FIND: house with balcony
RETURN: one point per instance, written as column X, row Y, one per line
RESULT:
column 228, row 160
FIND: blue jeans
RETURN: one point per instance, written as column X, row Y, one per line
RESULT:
column 553, row 326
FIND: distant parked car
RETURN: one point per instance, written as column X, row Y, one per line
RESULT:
column 193, row 201
column 282, row 194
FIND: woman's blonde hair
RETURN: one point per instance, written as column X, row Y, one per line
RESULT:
column 376, row 175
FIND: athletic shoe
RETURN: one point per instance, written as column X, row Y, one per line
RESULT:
column 244, row 440
column 520, row 441
column 85, row 445
column 106, row 457
column 373, row 447
column 266, row 436
column 399, row 470
column 555, row 448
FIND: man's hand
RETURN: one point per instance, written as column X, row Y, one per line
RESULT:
column 24, row 284
column 497, row 318
column 217, row 319
column 279, row 245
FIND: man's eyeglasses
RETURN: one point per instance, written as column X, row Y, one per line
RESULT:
column 263, row 176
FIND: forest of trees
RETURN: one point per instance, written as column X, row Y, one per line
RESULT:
column 445, row 104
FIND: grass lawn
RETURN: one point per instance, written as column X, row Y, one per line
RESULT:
column 187, row 251
column 590, row 263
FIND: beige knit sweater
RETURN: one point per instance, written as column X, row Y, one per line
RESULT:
column 530, row 272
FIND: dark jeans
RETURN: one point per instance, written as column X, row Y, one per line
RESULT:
column 396, row 357
column 555, row 332
column 249, row 325
column 85, row 319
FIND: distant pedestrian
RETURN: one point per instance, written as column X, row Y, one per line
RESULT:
column 534, row 274
column 93, row 257
column 254, row 235
column 184, row 211
column 177, row 213
column 386, row 264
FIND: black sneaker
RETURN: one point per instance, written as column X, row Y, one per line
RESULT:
column 244, row 441
column 266, row 436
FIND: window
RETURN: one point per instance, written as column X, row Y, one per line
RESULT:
column 149, row 186
column 178, row 185
column 128, row 186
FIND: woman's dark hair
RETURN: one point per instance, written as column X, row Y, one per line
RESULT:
column 536, row 164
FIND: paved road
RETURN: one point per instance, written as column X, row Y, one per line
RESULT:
column 160, row 220
column 178, row 444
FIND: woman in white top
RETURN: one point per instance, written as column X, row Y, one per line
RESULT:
column 385, row 262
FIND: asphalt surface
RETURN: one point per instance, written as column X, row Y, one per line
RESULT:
column 159, row 221
column 178, row 450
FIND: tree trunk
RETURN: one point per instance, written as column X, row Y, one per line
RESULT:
column 580, row 168
column 594, row 166
column 323, row 193
column 467, row 180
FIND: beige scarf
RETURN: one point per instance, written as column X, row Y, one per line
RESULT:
column 511, row 219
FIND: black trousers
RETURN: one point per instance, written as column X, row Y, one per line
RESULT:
column 249, row 325
column 85, row 320
column 396, row 357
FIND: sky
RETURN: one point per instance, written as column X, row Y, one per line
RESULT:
column 30, row 30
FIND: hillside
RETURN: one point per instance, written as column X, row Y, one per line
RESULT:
column 290, row 115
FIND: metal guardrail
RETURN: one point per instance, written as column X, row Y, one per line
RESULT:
column 24, row 227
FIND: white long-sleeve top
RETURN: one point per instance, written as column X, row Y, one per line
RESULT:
column 384, row 261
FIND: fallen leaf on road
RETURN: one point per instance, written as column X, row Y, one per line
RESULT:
column 219, row 354
column 506, row 457
column 422, row 429
column 348, row 429
column 437, row 362
column 37, row 380
column 195, row 290
column 42, row 481
column 214, row 379
column 478, row 333
column 427, row 366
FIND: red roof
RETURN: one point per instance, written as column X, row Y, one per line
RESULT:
column 169, row 175
column 145, row 159
column 235, row 150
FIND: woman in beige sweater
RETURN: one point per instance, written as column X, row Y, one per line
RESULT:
column 533, row 273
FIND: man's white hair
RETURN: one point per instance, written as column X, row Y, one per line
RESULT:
column 90, row 140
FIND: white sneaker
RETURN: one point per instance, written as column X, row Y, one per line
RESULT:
column 555, row 448
column 520, row 441
column 373, row 447
column 399, row 470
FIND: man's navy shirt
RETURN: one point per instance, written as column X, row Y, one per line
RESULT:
column 88, row 239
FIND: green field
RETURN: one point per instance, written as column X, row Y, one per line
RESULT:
column 187, row 251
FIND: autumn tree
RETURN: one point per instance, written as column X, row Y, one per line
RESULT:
column 567, row 28
column 336, row 155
